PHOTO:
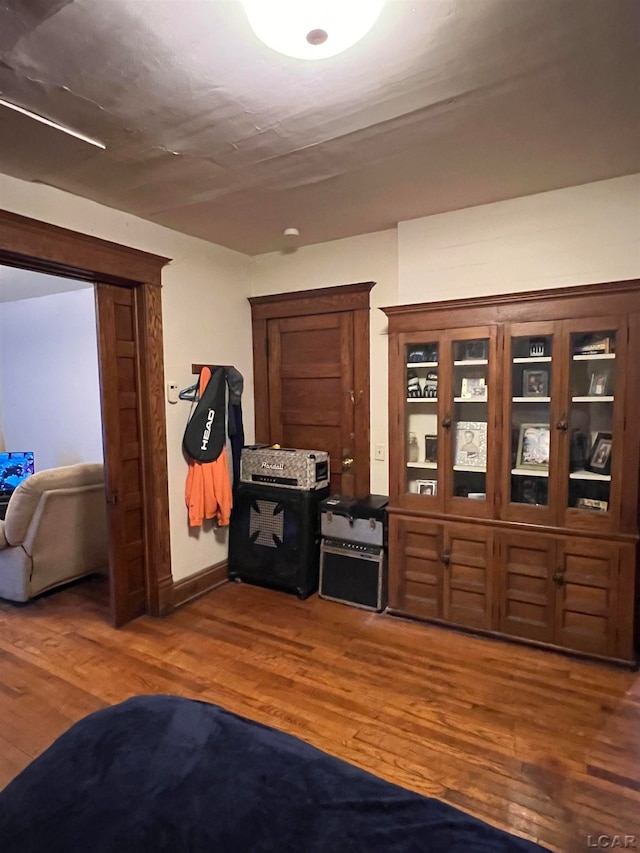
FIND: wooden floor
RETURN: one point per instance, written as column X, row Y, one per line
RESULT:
column 533, row 742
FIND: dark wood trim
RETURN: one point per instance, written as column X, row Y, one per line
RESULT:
column 261, row 379
column 39, row 246
column 154, row 440
column 507, row 299
column 199, row 584
column 322, row 300
column 362, row 411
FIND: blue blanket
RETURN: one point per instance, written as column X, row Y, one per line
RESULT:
column 160, row 773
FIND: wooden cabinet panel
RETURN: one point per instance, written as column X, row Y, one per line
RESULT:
column 416, row 567
column 527, row 591
column 468, row 584
column 586, row 605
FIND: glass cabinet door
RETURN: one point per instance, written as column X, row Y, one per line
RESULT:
column 530, row 418
column 421, row 417
column 470, row 418
column 591, row 422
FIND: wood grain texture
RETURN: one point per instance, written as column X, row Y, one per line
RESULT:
column 311, row 366
column 537, row 744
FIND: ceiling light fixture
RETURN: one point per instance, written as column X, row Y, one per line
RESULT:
column 52, row 124
column 311, row 29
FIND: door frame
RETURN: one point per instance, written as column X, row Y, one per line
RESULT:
column 39, row 246
column 324, row 300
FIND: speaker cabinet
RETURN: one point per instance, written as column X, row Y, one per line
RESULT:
column 274, row 537
column 353, row 573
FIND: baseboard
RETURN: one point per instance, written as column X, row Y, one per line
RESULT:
column 202, row 582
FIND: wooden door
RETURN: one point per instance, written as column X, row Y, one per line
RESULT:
column 311, row 389
column 468, row 576
column 311, row 376
column 416, row 568
column 527, row 591
column 121, row 425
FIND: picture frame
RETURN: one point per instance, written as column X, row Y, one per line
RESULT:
column 578, row 450
column 590, row 503
column 600, row 456
column 471, row 444
column 535, row 383
column 473, row 388
column 431, row 448
column 533, row 447
column 593, row 344
column 474, row 350
column 427, row 487
column 599, row 383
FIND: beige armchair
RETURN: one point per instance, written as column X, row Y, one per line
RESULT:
column 55, row 530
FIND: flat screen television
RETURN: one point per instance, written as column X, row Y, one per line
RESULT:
column 15, row 467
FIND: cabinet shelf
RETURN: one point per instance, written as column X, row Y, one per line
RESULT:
column 528, row 472
column 469, row 399
column 432, row 465
column 590, row 475
column 422, row 364
column 470, row 470
column 470, row 362
column 532, row 399
column 600, row 399
column 422, row 399
column 532, row 359
column 595, row 356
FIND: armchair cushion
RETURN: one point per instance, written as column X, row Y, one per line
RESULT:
column 27, row 496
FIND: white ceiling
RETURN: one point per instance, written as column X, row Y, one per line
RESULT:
column 17, row 284
column 445, row 104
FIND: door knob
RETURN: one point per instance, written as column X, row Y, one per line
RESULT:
column 347, row 463
column 558, row 578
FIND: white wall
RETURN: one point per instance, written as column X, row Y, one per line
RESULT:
column 372, row 257
column 206, row 318
column 49, row 378
column 579, row 235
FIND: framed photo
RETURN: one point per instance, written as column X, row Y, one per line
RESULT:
column 589, row 503
column 533, row 447
column 599, row 383
column 593, row 345
column 474, row 350
column 535, row 383
column 431, row 448
column 578, row 450
column 600, row 458
column 473, row 388
column 471, row 444
column 427, row 487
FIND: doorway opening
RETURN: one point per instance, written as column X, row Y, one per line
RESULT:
column 130, row 358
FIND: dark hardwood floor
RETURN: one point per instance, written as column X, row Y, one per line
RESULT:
column 536, row 743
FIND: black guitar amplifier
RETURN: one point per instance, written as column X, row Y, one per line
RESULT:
column 274, row 537
column 353, row 559
column 353, row 573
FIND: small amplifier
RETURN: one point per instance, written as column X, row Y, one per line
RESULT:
column 353, row 573
column 284, row 466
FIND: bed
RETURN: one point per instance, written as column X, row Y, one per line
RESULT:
column 162, row 773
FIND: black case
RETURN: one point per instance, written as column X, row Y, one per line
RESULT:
column 274, row 537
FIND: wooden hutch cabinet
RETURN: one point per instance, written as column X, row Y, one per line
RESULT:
column 514, row 465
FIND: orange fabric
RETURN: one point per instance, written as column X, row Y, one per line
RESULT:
column 208, row 487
